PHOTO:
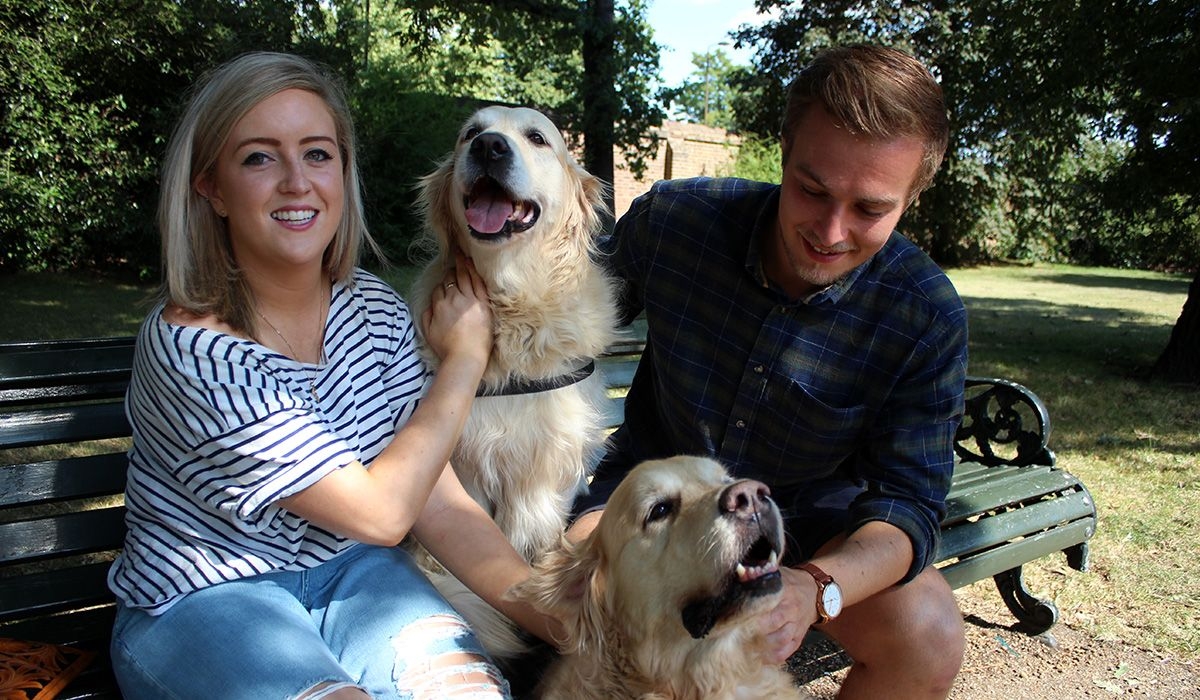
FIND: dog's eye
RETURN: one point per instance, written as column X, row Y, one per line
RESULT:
column 536, row 138
column 470, row 133
column 660, row 510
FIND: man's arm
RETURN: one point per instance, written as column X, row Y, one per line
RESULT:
column 870, row 560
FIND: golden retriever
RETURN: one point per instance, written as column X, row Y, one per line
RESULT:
column 512, row 198
column 659, row 600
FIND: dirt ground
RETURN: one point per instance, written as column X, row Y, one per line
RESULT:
column 1004, row 664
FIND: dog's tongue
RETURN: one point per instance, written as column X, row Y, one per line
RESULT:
column 487, row 213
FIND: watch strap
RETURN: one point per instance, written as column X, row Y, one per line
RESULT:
column 823, row 579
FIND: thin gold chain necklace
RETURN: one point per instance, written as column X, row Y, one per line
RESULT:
column 312, row 375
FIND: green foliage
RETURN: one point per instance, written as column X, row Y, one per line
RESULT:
column 64, row 174
column 707, row 96
column 637, row 62
column 1071, row 139
column 758, row 159
column 91, row 92
column 547, row 68
column 403, row 135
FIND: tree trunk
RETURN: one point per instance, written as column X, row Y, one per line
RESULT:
column 1180, row 361
column 600, row 104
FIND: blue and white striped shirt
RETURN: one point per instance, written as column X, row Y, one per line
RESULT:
column 223, row 428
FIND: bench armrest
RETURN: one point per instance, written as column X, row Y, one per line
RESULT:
column 1003, row 423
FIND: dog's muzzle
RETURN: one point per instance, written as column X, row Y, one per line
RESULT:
column 756, row 572
column 492, row 210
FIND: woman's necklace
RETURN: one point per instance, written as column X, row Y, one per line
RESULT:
column 312, row 375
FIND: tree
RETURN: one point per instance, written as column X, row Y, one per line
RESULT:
column 1180, row 360
column 707, row 96
column 92, row 90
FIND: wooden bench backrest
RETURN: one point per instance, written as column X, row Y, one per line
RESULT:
column 63, row 439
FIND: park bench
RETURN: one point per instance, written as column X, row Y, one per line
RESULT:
column 63, row 437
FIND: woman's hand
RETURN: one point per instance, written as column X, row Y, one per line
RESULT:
column 458, row 322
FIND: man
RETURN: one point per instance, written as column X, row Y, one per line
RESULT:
column 799, row 339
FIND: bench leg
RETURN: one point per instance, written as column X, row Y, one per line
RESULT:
column 1035, row 615
column 1077, row 556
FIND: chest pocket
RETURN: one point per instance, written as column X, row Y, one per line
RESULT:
column 801, row 435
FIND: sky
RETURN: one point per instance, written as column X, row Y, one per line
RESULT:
column 682, row 27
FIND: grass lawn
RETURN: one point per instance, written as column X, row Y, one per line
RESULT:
column 1081, row 338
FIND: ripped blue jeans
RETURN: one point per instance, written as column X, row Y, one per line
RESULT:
column 368, row 619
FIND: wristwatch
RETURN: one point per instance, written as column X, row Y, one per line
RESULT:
column 829, row 593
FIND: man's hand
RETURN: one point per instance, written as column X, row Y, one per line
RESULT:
column 785, row 625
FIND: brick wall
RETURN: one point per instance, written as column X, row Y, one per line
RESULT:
column 684, row 150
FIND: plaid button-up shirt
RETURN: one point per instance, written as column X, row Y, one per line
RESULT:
column 862, row 380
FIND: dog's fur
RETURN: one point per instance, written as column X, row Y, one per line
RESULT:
column 513, row 199
column 656, row 601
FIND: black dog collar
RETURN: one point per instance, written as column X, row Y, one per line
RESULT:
column 521, row 385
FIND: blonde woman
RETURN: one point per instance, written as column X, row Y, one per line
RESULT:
column 286, row 435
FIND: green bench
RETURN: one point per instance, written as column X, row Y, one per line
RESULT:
column 63, row 437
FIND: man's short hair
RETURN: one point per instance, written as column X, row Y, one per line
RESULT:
column 878, row 92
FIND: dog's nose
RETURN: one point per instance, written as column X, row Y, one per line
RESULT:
column 490, row 146
column 744, row 498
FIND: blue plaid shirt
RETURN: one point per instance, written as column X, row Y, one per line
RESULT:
column 862, row 380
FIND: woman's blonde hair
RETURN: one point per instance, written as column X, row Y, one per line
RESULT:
column 200, row 273
column 879, row 92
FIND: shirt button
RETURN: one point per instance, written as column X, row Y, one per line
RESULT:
column 741, row 424
column 759, row 369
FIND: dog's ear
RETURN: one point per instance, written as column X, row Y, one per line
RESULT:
column 434, row 192
column 590, row 192
column 567, row 584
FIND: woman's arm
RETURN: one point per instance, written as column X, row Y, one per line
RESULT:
column 380, row 505
column 465, row 539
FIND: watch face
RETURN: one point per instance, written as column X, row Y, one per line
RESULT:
column 832, row 599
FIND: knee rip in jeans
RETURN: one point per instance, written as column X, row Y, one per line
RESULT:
column 333, row 689
column 454, row 673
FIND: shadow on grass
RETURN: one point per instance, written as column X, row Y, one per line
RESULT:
column 1089, row 341
column 1162, row 285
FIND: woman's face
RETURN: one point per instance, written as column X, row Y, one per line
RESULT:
column 278, row 182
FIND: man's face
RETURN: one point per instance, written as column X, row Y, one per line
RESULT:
column 842, row 196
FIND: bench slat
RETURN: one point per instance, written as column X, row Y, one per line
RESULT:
column 1005, row 486
column 1015, row 554
column 618, row 374
column 48, row 426
column 62, row 479
column 992, row 530
column 614, row 412
column 53, row 591
column 63, row 362
column 80, row 532
column 969, row 479
column 89, row 628
column 95, row 683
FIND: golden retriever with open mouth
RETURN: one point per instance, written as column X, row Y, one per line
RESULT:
column 659, row 601
column 512, row 198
